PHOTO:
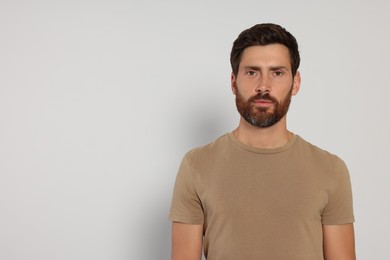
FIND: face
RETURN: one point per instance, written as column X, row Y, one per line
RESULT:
column 264, row 84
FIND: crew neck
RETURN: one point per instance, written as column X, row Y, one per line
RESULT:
column 250, row 148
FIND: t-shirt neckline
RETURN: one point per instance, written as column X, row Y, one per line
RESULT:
column 250, row 148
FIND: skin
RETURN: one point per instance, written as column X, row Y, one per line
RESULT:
column 186, row 241
column 264, row 69
column 339, row 242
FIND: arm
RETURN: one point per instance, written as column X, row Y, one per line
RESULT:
column 339, row 242
column 186, row 241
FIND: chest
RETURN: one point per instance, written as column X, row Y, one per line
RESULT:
column 265, row 190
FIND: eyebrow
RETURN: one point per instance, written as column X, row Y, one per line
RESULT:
column 278, row 67
column 273, row 68
column 252, row 68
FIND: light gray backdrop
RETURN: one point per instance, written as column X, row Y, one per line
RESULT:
column 99, row 100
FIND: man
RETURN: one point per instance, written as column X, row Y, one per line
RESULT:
column 262, row 192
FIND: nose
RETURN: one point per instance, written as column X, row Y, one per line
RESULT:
column 264, row 85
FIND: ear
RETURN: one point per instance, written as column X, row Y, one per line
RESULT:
column 233, row 83
column 296, row 83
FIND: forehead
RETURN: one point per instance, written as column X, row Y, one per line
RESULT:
column 267, row 55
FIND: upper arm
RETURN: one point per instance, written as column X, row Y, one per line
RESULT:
column 186, row 241
column 339, row 242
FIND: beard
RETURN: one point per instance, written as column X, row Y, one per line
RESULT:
column 262, row 116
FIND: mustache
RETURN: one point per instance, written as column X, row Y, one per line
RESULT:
column 263, row 96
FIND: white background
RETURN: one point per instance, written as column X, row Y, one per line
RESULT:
column 99, row 100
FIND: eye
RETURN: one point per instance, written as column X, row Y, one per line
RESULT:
column 251, row 73
column 278, row 73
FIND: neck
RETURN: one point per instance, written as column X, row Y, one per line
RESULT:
column 269, row 137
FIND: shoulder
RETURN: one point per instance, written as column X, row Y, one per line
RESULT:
column 207, row 151
column 318, row 155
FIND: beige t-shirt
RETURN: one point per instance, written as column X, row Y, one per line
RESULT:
column 262, row 203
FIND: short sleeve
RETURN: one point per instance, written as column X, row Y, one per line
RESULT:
column 339, row 209
column 186, row 206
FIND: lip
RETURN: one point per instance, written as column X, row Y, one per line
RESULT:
column 263, row 102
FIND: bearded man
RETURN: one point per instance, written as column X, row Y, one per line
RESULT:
column 261, row 191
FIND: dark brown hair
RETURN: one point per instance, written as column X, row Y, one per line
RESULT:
column 264, row 34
